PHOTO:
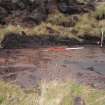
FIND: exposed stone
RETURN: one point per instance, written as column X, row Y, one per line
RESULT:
column 79, row 101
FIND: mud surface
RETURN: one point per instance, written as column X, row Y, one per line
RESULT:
column 27, row 67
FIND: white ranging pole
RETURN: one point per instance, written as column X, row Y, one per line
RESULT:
column 102, row 37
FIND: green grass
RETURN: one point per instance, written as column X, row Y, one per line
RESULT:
column 1, row 99
column 52, row 93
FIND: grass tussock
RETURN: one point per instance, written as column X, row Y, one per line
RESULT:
column 53, row 93
column 14, row 95
column 58, row 18
column 41, row 30
column 100, row 11
column 87, row 25
column 83, row 1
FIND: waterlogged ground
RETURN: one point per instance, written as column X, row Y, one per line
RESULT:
column 27, row 67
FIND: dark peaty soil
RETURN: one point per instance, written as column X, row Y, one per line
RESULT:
column 27, row 67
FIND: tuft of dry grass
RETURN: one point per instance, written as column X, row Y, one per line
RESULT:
column 52, row 93
column 14, row 95
column 58, row 18
column 56, row 93
column 100, row 11
column 40, row 30
column 87, row 25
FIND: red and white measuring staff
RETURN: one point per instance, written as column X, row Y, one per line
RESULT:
column 63, row 49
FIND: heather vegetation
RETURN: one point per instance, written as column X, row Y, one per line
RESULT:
column 70, row 18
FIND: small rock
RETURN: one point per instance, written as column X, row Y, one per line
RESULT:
column 91, row 68
column 79, row 101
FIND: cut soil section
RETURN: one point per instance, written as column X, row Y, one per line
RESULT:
column 28, row 67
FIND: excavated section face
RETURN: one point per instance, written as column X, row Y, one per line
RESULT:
column 27, row 67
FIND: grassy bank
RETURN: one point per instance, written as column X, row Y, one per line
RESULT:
column 82, row 27
column 75, row 26
column 53, row 93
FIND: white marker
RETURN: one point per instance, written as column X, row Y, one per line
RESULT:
column 75, row 48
